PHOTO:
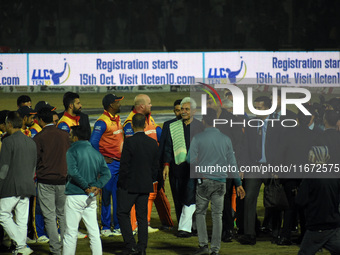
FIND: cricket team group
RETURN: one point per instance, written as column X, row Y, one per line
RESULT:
column 54, row 168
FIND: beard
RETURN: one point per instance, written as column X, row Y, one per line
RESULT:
column 77, row 111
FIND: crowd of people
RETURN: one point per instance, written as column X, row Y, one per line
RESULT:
column 53, row 167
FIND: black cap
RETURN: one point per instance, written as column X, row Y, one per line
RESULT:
column 109, row 99
column 43, row 104
column 25, row 111
column 3, row 115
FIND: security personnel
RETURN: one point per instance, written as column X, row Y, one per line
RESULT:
column 142, row 104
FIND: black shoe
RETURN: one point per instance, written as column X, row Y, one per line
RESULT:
column 214, row 253
column 227, row 236
column 203, row 250
column 265, row 230
column 143, row 252
column 131, row 251
column 247, row 240
column 284, row 241
column 5, row 249
column 298, row 240
column 275, row 240
column 165, row 227
column 194, row 232
column 183, row 234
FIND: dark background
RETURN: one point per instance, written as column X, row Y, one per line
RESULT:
column 168, row 25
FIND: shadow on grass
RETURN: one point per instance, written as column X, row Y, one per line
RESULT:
column 176, row 248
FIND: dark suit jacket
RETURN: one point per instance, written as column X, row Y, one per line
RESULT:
column 161, row 150
column 251, row 154
column 162, row 140
column 275, row 135
column 18, row 159
column 139, row 164
column 331, row 138
column 295, row 147
column 235, row 133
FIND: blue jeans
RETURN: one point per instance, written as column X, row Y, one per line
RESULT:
column 210, row 190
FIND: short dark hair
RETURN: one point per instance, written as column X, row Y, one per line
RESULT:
column 177, row 102
column 138, row 120
column 23, row 99
column 331, row 117
column 3, row 116
column 266, row 101
column 69, row 98
column 80, row 132
column 15, row 119
column 46, row 115
column 210, row 116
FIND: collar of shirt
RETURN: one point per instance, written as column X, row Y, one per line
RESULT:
column 76, row 118
column 115, row 118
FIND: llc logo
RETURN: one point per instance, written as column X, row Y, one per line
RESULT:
column 204, row 97
column 50, row 76
column 226, row 75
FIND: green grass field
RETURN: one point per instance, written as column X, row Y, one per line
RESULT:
column 162, row 242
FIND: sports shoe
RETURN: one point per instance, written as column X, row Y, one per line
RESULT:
column 81, row 235
column 183, row 234
column 203, row 250
column 135, row 231
column 106, row 233
column 23, row 251
column 152, row 230
column 43, row 239
column 29, row 240
column 117, row 232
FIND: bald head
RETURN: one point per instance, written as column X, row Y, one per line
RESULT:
column 143, row 104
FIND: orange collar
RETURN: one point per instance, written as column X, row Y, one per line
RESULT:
column 76, row 118
column 115, row 118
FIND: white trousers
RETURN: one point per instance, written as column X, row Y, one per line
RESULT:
column 185, row 222
column 79, row 207
column 16, row 230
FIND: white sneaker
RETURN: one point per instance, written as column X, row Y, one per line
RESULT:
column 43, row 239
column 152, row 230
column 117, row 232
column 81, row 235
column 24, row 251
column 135, row 231
column 106, row 233
column 29, row 240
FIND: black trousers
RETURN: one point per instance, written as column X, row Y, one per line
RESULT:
column 125, row 201
column 315, row 240
column 290, row 213
column 227, row 217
